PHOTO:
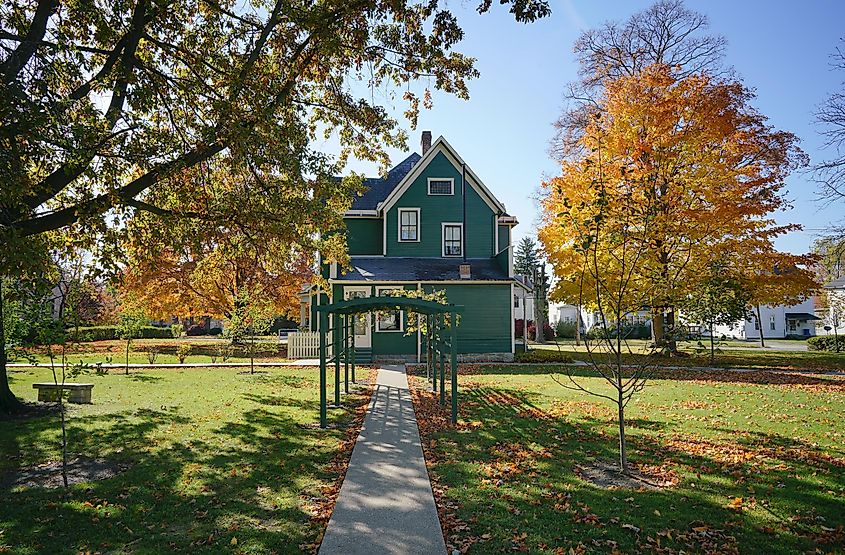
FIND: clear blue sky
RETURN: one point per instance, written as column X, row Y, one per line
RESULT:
column 779, row 48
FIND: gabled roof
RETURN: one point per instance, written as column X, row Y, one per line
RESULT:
column 406, row 269
column 442, row 145
column 378, row 188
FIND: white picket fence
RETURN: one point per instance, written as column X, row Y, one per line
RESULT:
column 306, row 344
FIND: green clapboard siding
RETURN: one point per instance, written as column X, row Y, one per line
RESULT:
column 364, row 236
column 504, row 236
column 437, row 209
column 486, row 320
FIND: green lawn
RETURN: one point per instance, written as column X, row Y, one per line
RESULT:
column 759, row 466
column 218, row 462
column 727, row 358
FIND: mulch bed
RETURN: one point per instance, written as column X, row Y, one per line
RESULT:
column 49, row 475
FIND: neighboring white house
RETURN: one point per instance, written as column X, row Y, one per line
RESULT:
column 523, row 299
column 835, row 316
column 778, row 322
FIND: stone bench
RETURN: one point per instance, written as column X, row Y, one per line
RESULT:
column 79, row 392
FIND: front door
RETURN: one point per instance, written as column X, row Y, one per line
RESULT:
column 363, row 336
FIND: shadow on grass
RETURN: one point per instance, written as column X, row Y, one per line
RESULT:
column 243, row 480
column 759, row 377
column 516, row 471
column 145, row 378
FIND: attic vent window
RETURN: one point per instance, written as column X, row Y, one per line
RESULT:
column 465, row 271
column 441, row 186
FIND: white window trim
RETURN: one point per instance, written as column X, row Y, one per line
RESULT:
column 401, row 329
column 399, row 225
column 451, row 181
column 443, row 239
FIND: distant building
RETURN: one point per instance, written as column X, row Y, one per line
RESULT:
column 777, row 322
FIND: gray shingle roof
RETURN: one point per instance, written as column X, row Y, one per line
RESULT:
column 380, row 269
column 836, row 284
column 378, row 188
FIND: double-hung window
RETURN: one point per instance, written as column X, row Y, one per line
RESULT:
column 453, row 239
column 409, row 224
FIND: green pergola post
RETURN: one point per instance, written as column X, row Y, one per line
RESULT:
column 454, row 344
column 442, row 373
column 438, row 346
column 352, row 327
column 345, row 323
column 324, row 322
column 429, row 365
column 336, row 343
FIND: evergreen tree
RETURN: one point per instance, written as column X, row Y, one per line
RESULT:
column 526, row 257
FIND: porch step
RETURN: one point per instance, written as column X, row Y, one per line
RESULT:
column 363, row 354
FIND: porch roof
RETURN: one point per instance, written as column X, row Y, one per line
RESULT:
column 382, row 269
column 801, row 316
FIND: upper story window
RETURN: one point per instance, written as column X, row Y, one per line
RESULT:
column 452, row 239
column 409, row 224
column 441, row 186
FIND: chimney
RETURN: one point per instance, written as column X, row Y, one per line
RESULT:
column 464, row 270
column 426, row 142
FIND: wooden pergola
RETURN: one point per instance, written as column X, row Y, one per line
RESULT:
column 441, row 340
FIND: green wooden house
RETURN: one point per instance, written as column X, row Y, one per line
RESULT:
column 430, row 224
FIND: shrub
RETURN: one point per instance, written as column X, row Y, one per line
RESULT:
column 155, row 332
column 195, row 330
column 542, row 355
column 93, row 333
column 826, row 343
column 565, row 329
column 176, row 330
column 548, row 332
column 215, row 331
column 518, row 327
column 152, row 354
column 182, row 352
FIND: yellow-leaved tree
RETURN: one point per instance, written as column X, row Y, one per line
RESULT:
column 696, row 172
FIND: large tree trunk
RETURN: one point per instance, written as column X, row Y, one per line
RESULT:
column 9, row 404
column 760, row 325
column 669, row 332
column 577, row 325
column 657, row 327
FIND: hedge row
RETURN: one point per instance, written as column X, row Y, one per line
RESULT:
column 105, row 333
column 542, row 355
column 221, row 349
column 826, row 343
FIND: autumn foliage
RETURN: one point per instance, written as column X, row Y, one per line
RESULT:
column 672, row 175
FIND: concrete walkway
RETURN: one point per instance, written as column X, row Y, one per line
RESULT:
column 385, row 503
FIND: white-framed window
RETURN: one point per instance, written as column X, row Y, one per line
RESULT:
column 388, row 320
column 772, row 323
column 793, row 325
column 441, row 186
column 409, row 225
column 453, row 239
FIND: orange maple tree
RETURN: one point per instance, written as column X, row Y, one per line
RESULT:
column 691, row 174
column 251, row 246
